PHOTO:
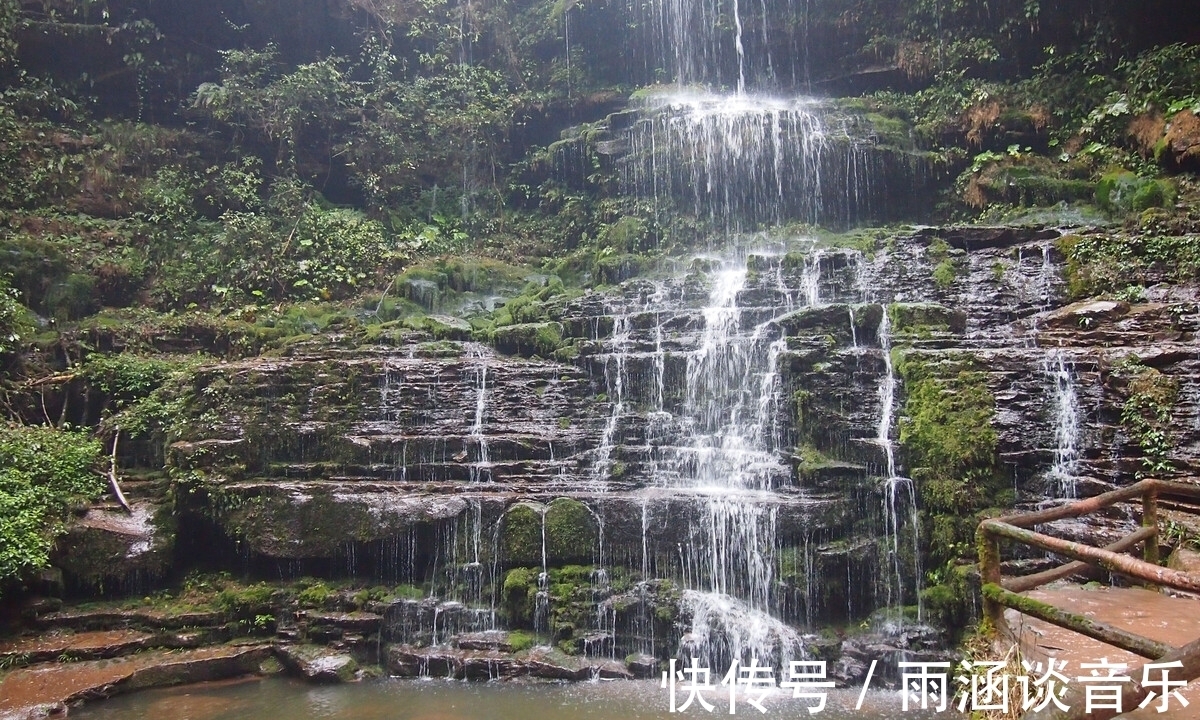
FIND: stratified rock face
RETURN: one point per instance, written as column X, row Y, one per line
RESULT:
column 732, row 429
column 109, row 549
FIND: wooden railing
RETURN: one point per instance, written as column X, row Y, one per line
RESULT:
column 1000, row 592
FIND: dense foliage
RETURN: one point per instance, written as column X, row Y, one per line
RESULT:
column 43, row 472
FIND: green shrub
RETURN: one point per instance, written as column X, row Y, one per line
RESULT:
column 15, row 322
column 43, row 472
column 314, row 596
column 247, row 601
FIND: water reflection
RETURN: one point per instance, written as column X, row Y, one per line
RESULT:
column 284, row 699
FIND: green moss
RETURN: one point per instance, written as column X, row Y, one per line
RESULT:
column 923, row 319
column 892, row 131
column 1121, row 192
column 944, row 274
column 1154, row 194
column 521, row 535
column 613, row 269
column 945, row 269
column 519, row 596
column 541, row 339
column 571, row 533
column 247, row 600
column 520, row 641
column 947, row 437
column 810, row 460
column 408, row 592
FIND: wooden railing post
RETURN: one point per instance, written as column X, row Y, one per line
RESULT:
column 1150, row 520
column 989, row 573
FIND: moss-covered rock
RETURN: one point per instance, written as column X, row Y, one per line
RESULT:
column 950, row 446
column 1180, row 146
column 1121, row 192
column 106, row 551
column 519, row 596
column 1023, row 180
column 528, row 339
column 571, row 532
column 920, row 319
column 521, row 535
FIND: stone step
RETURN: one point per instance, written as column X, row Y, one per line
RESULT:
column 115, row 619
column 51, row 687
column 64, row 645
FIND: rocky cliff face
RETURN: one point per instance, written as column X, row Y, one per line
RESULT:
column 743, row 427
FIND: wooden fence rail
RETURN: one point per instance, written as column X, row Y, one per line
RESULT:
column 1000, row 592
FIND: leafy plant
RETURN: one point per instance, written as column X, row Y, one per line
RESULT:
column 43, row 472
column 1146, row 416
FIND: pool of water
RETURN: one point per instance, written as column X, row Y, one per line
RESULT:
column 395, row 699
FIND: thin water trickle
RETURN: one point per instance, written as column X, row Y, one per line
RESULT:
column 481, row 468
column 887, row 394
column 899, row 493
column 810, row 282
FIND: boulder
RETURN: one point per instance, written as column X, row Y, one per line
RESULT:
column 317, row 664
column 1180, row 147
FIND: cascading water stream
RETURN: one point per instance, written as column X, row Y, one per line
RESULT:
column 887, row 394
column 1067, row 416
column 481, row 469
column 899, row 493
column 729, row 456
column 614, row 371
column 740, row 160
column 741, row 50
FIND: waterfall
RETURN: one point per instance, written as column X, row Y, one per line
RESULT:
column 481, row 469
column 724, row 630
column 741, row 50
column 704, row 42
column 741, row 160
column 1067, row 413
column 729, row 456
column 729, row 398
column 810, row 283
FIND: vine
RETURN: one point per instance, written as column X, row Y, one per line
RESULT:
column 1146, row 416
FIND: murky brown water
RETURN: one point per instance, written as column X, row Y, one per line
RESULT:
column 393, row 699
